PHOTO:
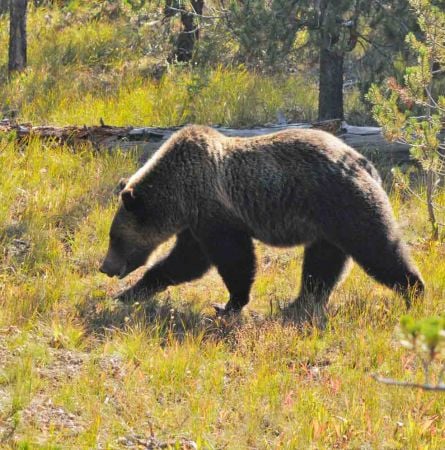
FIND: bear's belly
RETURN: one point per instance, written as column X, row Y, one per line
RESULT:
column 284, row 234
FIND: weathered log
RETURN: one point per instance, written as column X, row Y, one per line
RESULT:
column 367, row 140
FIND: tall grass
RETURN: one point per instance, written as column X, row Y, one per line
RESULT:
column 82, row 69
column 232, row 97
column 225, row 97
column 45, row 203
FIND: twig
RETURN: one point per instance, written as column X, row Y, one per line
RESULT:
column 425, row 387
column 374, row 44
column 435, row 104
column 192, row 13
column 198, row 28
column 428, row 105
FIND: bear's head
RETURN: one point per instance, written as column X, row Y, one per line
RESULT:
column 137, row 229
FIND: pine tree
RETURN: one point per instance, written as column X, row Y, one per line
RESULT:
column 266, row 30
column 413, row 112
column 188, row 13
column 338, row 26
column 4, row 6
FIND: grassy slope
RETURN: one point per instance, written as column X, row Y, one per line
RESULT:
column 79, row 370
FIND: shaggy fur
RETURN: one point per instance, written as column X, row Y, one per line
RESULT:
column 296, row 187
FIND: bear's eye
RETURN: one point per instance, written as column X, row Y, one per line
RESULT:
column 114, row 239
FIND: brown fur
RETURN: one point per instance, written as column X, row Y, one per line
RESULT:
column 295, row 187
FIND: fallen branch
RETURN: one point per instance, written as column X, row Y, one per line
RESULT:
column 102, row 135
column 367, row 140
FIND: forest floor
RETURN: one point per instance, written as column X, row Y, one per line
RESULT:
column 81, row 370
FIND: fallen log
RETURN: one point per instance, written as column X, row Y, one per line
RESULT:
column 367, row 140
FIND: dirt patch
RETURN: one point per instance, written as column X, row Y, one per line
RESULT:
column 66, row 364
column 113, row 365
column 5, row 354
column 135, row 441
column 5, row 402
column 46, row 417
column 43, row 414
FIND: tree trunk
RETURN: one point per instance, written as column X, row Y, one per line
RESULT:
column 330, row 97
column 4, row 6
column 17, row 35
column 431, row 183
column 189, row 34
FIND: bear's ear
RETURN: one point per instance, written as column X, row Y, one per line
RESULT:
column 120, row 186
column 131, row 201
column 122, row 183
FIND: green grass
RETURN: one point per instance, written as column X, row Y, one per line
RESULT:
column 82, row 68
column 79, row 370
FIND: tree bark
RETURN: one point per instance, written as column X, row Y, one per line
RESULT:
column 189, row 34
column 330, row 97
column 4, row 6
column 431, row 183
column 17, row 36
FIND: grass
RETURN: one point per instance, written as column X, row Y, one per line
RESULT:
column 82, row 69
column 79, row 370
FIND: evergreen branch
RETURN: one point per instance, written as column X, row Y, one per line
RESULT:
column 378, row 47
column 395, row 17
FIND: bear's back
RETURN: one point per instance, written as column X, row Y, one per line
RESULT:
column 296, row 146
column 283, row 184
column 313, row 156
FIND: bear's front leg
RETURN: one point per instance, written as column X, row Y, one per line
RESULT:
column 185, row 262
column 151, row 283
column 231, row 251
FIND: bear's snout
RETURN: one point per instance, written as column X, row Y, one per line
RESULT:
column 112, row 270
column 106, row 270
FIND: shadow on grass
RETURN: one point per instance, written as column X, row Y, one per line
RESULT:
column 158, row 314
column 177, row 321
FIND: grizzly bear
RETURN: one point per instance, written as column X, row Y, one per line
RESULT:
column 216, row 194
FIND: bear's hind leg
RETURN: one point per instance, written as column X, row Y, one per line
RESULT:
column 323, row 266
column 389, row 263
column 185, row 262
column 231, row 251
